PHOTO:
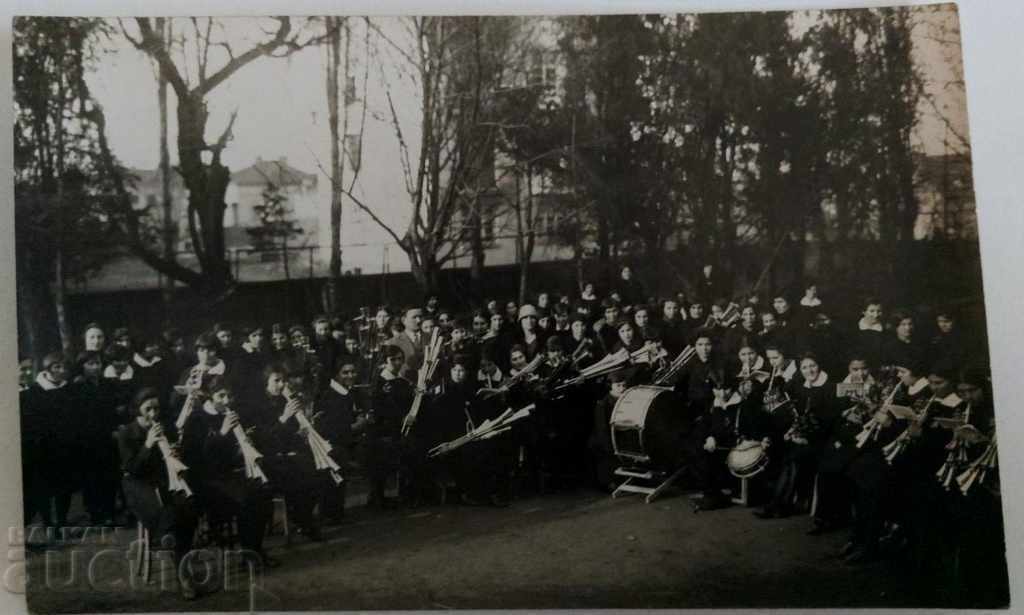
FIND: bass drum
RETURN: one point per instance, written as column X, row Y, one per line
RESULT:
column 649, row 425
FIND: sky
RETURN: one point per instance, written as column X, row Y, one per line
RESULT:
column 282, row 109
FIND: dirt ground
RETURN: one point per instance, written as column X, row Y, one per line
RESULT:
column 578, row 549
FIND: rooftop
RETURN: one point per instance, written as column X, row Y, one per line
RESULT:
column 277, row 172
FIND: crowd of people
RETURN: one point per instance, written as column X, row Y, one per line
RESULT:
column 883, row 427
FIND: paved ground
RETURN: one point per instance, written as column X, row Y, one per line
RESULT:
column 579, row 549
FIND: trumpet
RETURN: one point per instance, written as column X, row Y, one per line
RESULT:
column 897, row 446
column 318, row 445
column 521, row 376
column 249, row 453
column 666, row 374
column 582, row 352
column 175, row 467
column 192, row 389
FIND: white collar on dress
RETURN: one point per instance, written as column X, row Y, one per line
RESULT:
column 819, row 381
column 46, row 384
column 869, row 381
column 497, row 377
column 143, row 362
column 125, row 375
column 815, row 302
column 338, row 387
column 209, row 408
column 863, row 326
column 216, row 370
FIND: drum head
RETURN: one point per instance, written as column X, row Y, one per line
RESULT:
column 650, row 421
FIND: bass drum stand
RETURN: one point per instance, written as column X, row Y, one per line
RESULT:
column 647, row 425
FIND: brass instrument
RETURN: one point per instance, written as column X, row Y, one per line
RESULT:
column 191, row 389
column 250, row 455
column 897, row 446
column 667, row 374
column 298, row 407
column 175, row 468
column 521, row 376
column 582, row 352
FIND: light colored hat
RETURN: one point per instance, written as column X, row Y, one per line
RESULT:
column 527, row 310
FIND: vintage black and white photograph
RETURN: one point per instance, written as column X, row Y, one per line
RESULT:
column 502, row 312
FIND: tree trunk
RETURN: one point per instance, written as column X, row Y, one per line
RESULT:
column 60, row 303
column 476, row 264
column 207, row 185
column 337, row 163
column 165, row 173
column 29, row 321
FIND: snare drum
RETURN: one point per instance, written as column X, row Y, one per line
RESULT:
column 746, row 459
column 648, row 425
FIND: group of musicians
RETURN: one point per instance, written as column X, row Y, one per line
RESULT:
column 873, row 427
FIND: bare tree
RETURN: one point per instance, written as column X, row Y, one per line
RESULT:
column 199, row 159
column 457, row 66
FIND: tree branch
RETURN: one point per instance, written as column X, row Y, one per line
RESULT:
column 284, row 28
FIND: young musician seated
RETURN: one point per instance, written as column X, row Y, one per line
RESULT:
column 584, row 350
column 227, row 482
column 712, row 439
column 783, row 369
column 751, row 363
column 489, row 376
column 337, row 418
column 627, row 339
column 167, row 510
column 278, row 435
column 482, row 470
column 812, row 406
